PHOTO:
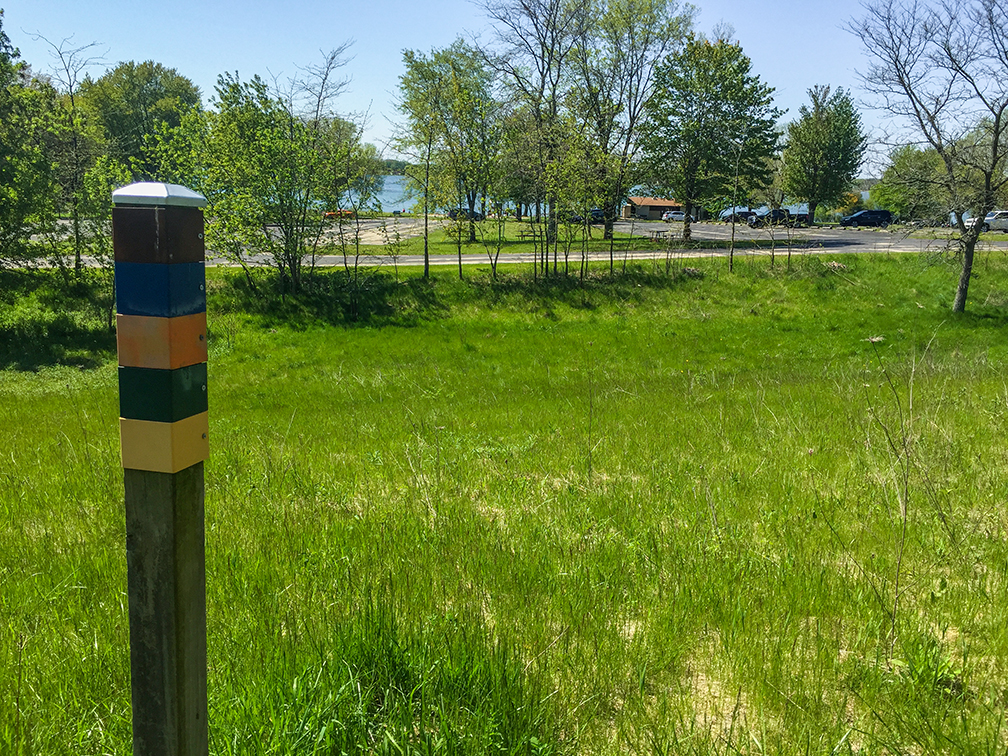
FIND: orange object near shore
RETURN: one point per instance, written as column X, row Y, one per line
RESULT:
column 162, row 343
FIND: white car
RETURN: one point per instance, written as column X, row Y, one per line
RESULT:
column 996, row 220
column 673, row 215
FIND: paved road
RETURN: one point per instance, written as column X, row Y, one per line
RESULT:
column 827, row 241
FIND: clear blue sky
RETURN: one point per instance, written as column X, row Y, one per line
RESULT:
column 793, row 45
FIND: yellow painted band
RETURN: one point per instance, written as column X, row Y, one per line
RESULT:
column 164, row 447
column 162, row 343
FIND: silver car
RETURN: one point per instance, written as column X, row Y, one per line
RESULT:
column 996, row 220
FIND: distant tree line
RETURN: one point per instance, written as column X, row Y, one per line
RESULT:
column 573, row 104
column 570, row 106
column 278, row 165
column 393, row 167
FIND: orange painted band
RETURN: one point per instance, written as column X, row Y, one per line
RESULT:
column 164, row 447
column 163, row 343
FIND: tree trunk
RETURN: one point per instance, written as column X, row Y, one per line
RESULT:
column 295, row 275
column 686, row 233
column 551, row 222
column 77, row 181
column 811, row 213
column 969, row 246
column 426, row 225
column 471, row 201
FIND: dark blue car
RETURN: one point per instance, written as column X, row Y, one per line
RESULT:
column 880, row 218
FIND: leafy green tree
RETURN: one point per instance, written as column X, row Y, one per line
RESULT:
column 573, row 179
column 824, row 149
column 181, row 151
column 270, row 162
column 940, row 69
column 452, row 127
column 621, row 44
column 421, row 93
column 264, row 177
column 521, row 180
column 54, row 166
column 535, row 47
column 25, row 172
column 74, row 142
column 707, row 104
column 469, row 121
column 131, row 101
column 912, row 185
column 105, row 175
column 357, row 179
column 394, row 167
column 10, row 67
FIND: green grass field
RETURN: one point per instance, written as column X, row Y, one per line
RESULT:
column 759, row 512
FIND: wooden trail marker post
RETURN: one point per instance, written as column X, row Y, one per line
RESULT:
column 161, row 334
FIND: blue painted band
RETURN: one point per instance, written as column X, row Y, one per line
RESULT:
column 160, row 291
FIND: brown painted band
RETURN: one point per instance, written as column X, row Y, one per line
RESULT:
column 162, row 235
column 162, row 343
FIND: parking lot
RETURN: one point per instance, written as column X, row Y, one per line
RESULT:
column 650, row 239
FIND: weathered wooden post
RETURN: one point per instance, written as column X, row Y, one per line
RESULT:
column 157, row 232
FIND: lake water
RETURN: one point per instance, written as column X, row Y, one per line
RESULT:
column 393, row 195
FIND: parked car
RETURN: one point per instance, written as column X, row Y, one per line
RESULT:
column 464, row 215
column 776, row 217
column 596, row 215
column 996, row 220
column 673, row 215
column 741, row 216
column 881, row 218
column 566, row 216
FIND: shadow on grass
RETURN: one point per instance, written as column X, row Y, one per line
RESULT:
column 331, row 296
column 46, row 321
column 380, row 299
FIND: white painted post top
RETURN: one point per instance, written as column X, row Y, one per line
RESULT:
column 159, row 194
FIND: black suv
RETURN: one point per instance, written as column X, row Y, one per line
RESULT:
column 776, row 217
column 881, row 218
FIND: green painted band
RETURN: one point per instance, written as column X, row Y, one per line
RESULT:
column 163, row 396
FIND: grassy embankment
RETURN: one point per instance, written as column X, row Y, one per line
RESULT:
column 759, row 512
